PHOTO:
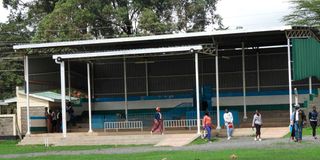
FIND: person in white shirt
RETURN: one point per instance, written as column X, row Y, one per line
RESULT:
column 228, row 121
column 257, row 123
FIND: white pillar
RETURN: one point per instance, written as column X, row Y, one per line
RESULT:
column 63, row 99
column 197, row 90
column 244, row 83
column 69, row 81
column 217, row 88
column 125, row 87
column 147, row 83
column 26, row 77
column 89, row 97
column 310, row 85
column 289, row 77
column 296, row 103
column 258, row 72
column 92, row 82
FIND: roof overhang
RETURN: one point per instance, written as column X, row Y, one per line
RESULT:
column 165, row 39
column 129, row 52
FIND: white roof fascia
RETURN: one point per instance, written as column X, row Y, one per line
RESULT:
column 142, row 38
column 40, row 97
column 3, row 104
column 128, row 52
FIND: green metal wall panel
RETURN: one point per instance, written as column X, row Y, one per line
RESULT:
column 306, row 58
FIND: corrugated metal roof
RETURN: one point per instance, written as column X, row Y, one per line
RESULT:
column 8, row 101
column 145, row 38
column 48, row 96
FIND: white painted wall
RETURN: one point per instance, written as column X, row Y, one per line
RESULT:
column 34, row 102
column 169, row 103
column 142, row 104
column 258, row 100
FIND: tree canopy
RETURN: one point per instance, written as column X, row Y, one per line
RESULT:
column 82, row 19
column 305, row 12
column 60, row 20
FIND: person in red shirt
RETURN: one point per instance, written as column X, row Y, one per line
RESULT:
column 206, row 124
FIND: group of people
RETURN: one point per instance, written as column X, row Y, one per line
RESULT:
column 228, row 122
column 54, row 118
column 298, row 120
column 207, row 124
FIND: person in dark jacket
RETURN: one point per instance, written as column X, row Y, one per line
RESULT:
column 313, row 118
column 299, row 120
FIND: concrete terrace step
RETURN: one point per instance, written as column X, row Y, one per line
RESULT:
column 73, row 139
column 177, row 140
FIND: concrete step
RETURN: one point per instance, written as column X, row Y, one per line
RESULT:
column 177, row 140
column 275, row 124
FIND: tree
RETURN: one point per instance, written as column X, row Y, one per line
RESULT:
column 305, row 12
column 82, row 19
column 59, row 20
column 11, row 64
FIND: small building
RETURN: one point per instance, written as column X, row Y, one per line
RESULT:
column 8, row 118
column 38, row 102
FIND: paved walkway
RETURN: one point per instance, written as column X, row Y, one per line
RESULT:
column 221, row 144
column 171, row 138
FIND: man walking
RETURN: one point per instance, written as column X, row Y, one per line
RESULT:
column 299, row 120
column 228, row 122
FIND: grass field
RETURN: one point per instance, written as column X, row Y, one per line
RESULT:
column 242, row 154
column 291, row 151
column 306, row 132
column 10, row 147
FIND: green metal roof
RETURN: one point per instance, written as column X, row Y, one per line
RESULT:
column 52, row 95
column 49, row 96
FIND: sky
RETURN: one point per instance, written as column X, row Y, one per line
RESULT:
column 249, row 14
column 253, row 14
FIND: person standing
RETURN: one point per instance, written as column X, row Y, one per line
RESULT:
column 54, row 121
column 47, row 114
column 70, row 116
column 299, row 120
column 206, row 124
column 313, row 118
column 228, row 121
column 257, row 123
column 157, row 122
column 292, row 129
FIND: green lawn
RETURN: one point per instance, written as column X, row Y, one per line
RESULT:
column 242, row 154
column 202, row 141
column 306, row 132
column 10, row 147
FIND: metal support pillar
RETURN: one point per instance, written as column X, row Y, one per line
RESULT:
column 289, row 77
column 26, row 77
column 92, row 81
column 63, row 98
column 147, row 83
column 310, row 85
column 69, row 81
column 296, row 99
column 197, row 90
column 244, row 83
column 258, row 72
column 217, row 88
column 125, row 87
column 89, row 97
